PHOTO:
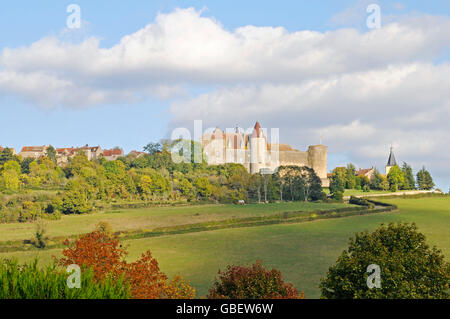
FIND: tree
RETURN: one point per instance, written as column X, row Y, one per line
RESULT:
column 376, row 181
column 408, row 177
column 409, row 268
column 153, row 148
column 106, row 256
column 7, row 155
column 350, row 178
column 338, row 180
column 203, row 187
column 395, row 178
column 145, row 186
column 51, row 153
column 424, row 180
column 77, row 198
column 252, row 282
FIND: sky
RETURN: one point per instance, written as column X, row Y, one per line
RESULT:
column 133, row 71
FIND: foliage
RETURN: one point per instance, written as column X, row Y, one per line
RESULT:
column 338, row 180
column 424, row 180
column 409, row 267
column 408, row 177
column 106, row 256
column 395, row 178
column 28, row 281
column 252, row 282
column 41, row 239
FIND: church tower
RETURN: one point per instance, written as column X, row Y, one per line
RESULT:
column 391, row 161
column 258, row 149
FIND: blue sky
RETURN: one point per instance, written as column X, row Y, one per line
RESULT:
column 131, row 123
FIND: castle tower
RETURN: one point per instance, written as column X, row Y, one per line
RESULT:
column 391, row 161
column 258, row 149
column 317, row 160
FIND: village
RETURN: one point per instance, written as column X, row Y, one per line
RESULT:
column 63, row 155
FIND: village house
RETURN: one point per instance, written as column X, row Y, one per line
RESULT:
column 33, row 151
column 136, row 154
column 12, row 149
column 113, row 154
column 367, row 172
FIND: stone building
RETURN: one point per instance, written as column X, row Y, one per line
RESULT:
column 33, row 151
column 257, row 155
column 112, row 155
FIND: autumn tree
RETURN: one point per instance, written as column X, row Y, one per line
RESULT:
column 252, row 282
column 107, row 257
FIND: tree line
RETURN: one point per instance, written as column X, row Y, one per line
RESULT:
column 83, row 185
column 398, row 178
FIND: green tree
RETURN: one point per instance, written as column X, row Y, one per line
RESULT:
column 350, row 178
column 395, row 178
column 77, row 198
column 51, row 153
column 408, row 177
column 203, row 187
column 153, row 148
column 7, row 155
column 338, row 180
column 376, row 181
column 424, row 180
column 409, row 268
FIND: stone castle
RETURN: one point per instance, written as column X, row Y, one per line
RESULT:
column 257, row 155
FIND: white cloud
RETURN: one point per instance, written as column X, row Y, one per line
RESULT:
column 184, row 47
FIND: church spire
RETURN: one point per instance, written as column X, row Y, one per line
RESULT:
column 391, row 160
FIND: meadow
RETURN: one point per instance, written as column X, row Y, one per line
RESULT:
column 303, row 252
column 154, row 217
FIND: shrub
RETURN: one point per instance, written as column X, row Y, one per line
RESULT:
column 41, row 229
column 252, row 282
column 409, row 267
column 360, row 201
column 28, row 281
column 104, row 254
column 338, row 196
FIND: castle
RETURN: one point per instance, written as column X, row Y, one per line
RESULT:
column 257, row 155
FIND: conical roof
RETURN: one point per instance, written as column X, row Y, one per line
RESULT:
column 257, row 130
column 391, row 160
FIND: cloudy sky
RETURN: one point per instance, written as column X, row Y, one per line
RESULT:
column 133, row 72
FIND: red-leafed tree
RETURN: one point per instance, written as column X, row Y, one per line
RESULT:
column 252, row 282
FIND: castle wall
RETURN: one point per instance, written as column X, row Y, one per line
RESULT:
column 293, row 158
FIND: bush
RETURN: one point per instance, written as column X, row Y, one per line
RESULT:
column 252, row 282
column 104, row 254
column 28, row 281
column 409, row 267
column 360, row 201
column 338, row 196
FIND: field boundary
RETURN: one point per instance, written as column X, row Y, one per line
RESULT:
column 289, row 217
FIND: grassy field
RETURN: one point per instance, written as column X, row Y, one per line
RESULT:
column 358, row 192
column 303, row 252
column 153, row 217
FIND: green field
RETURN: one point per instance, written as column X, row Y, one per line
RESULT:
column 153, row 217
column 303, row 252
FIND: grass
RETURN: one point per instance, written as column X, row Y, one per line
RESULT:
column 303, row 252
column 154, row 217
column 357, row 192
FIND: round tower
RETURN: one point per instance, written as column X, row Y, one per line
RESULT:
column 317, row 159
column 258, row 149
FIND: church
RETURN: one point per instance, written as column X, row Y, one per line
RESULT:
column 257, row 155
